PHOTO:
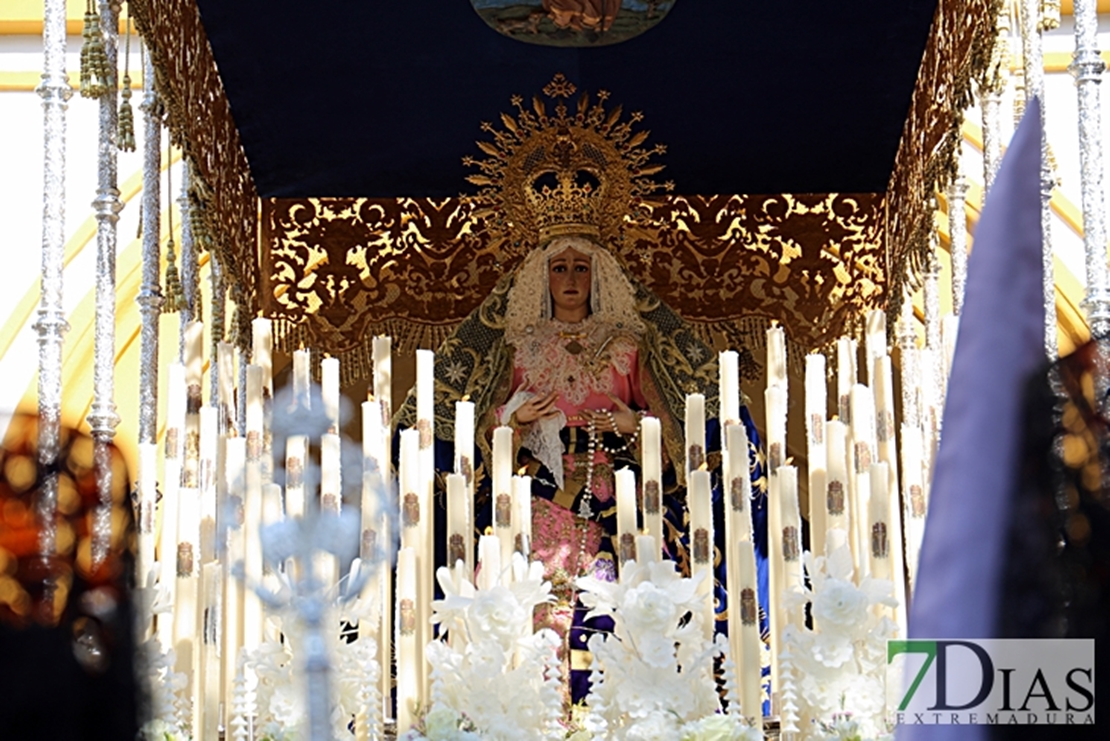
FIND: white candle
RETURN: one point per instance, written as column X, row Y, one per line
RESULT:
column 836, row 488
column 225, row 358
column 329, row 391
column 846, row 376
column 776, row 357
column 209, row 441
column 262, row 350
column 456, row 519
column 296, row 458
column 729, row 363
column 425, row 384
column 738, row 487
column 331, row 491
column 645, row 549
column 888, row 454
column 522, row 515
column 502, row 490
column 209, row 692
column 383, row 376
column 301, row 365
column 863, row 436
column 194, row 355
column 489, row 562
column 775, row 399
column 874, row 340
column 949, row 329
column 701, row 543
column 186, row 597
column 749, row 661
column 695, row 431
column 879, row 523
column 408, row 653
column 816, row 410
column 148, row 497
column 791, row 553
column 234, row 468
column 411, row 512
column 167, row 538
column 651, row 468
column 626, row 515
column 913, row 496
column 464, row 464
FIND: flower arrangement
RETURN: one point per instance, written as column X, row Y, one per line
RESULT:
column 168, row 707
column 838, row 669
column 495, row 679
column 276, row 697
column 653, row 677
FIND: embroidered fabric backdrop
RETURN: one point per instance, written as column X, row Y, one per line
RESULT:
column 341, row 270
column 958, row 51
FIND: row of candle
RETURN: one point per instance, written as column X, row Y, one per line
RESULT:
column 852, row 479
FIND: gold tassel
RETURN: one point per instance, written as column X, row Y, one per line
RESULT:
column 126, row 118
column 94, row 59
column 174, row 295
column 126, row 134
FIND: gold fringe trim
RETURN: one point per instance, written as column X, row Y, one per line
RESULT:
column 95, row 75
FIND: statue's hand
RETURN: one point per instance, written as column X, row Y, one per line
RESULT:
column 541, row 407
column 627, row 420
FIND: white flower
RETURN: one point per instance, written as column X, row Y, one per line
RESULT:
column 841, row 604
column 657, row 726
column 160, row 730
column 441, row 723
column 496, row 614
column 719, row 727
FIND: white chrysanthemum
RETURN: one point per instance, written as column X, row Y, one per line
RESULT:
column 840, row 604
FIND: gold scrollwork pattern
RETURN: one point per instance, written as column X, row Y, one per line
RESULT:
column 200, row 121
column 343, row 269
column 958, row 51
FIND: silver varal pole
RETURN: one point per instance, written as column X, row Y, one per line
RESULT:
column 1033, row 64
column 991, row 88
column 1088, row 67
column 957, row 235
column 50, row 326
column 150, row 292
column 102, row 416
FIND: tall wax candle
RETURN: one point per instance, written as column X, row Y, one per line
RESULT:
column 874, row 341
column 776, row 357
column 879, row 523
column 738, row 486
column 167, row 538
column 194, row 354
column 409, row 656
column 626, row 515
column 522, row 515
column 148, row 498
column 186, row 601
column 464, row 464
column 701, row 543
column 913, row 496
column 695, row 431
column 329, row 391
column 836, row 487
column 775, row 398
column 262, row 350
column 816, row 404
column 791, row 553
column 331, row 497
column 456, row 519
column 225, row 353
column 234, row 473
column 194, row 367
column 252, row 511
column 415, row 511
column 502, row 490
column 645, row 549
column 863, row 435
column 846, row 376
column 651, row 467
column 749, row 660
column 489, row 562
column 729, row 362
column 383, row 376
column 302, row 364
column 888, row 454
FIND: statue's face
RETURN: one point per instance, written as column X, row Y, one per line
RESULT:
column 569, row 274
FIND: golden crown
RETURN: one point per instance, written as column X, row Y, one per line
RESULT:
column 581, row 173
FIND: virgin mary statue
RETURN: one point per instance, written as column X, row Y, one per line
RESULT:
column 572, row 352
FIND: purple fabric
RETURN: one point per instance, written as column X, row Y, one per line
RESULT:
column 1000, row 345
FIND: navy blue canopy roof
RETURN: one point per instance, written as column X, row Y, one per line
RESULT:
column 383, row 98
